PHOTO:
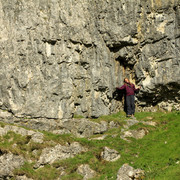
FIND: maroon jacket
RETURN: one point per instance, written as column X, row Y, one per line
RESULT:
column 129, row 88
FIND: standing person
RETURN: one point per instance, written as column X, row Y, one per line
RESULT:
column 129, row 99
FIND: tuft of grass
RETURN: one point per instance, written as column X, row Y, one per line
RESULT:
column 118, row 118
column 76, row 116
column 62, row 139
column 73, row 176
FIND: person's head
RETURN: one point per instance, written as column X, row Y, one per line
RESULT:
column 126, row 80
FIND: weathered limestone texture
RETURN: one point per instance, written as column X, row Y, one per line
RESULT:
column 65, row 57
column 9, row 162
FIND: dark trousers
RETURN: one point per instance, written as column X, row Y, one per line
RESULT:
column 130, row 106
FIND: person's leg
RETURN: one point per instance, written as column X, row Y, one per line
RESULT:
column 128, row 105
column 132, row 105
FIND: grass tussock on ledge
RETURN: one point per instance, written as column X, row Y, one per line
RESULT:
column 158, row 153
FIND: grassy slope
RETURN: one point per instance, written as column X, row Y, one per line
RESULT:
column 158, row 153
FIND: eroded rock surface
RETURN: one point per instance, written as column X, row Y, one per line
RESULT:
column 66, row 57
column 9, row 162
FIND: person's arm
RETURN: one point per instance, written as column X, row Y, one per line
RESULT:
column 136, row 89
column 121, row 88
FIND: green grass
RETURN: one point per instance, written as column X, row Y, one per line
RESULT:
column 158, row 153
column 151, row 153
column 118, row 118
column 76, row 116
column 47, row 172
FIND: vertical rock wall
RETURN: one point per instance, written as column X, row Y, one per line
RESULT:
column 65, row 57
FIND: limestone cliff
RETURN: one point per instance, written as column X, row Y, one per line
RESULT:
column 65, row 57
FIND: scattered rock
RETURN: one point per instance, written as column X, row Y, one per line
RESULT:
column 137, row 134
column 86, row 171
column 110, row 154
column 59, row 152
column 127, row 172
column 9, row 162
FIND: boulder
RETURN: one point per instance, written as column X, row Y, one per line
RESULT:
column 137, row 134
column 86, row 171
column 110, row 154
column 59, row 152
column 127, row 172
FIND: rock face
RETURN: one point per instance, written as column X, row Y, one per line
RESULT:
column 65, row 57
